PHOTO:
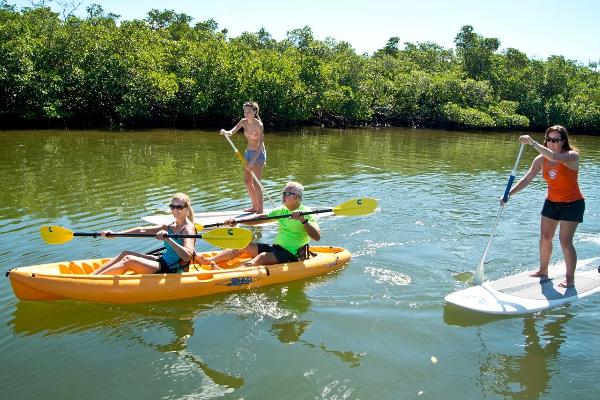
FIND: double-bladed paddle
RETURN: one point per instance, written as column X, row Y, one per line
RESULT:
column 350, row 208
column 230, row 238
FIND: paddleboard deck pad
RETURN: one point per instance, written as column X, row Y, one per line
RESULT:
column 214, row 217
column 522, row 294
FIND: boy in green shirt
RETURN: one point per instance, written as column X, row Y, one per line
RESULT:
column 293, row 233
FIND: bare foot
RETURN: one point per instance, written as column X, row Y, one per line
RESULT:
column 249, row 209
column 567, row 283
column 207, row 261
column 539, row 274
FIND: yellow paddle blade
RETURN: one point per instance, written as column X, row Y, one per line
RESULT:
column 355, row 207
column 229, row 238
column 56, row 234
column 199, row 227
column 241, row 158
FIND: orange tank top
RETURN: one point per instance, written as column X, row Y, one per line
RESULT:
column 562, row 183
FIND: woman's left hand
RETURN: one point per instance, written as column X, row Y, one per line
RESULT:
column 526, row 139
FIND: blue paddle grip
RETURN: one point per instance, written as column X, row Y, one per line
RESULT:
column 508, row 186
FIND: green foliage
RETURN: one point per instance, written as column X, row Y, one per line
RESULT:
column 475, row 52
column 466, row 117
column 505, row 115
column 167, row 70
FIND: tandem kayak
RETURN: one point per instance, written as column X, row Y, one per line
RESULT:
column 71, row 279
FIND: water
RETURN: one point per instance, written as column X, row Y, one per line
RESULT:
column 368, row 331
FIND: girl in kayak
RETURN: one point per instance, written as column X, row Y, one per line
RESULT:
column 178, row 252
column 255, row 155
column 559, row 163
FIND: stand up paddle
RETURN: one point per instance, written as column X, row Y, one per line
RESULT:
column 350, row 208
column 241, row 158
column 230, row 238
column 478, row 274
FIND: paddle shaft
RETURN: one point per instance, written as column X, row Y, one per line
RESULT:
column 265, row 218
column 479, row 272
column 351, row 208
column 285, row 216
column 170, row 235
column 511, row 178
column 243, row 161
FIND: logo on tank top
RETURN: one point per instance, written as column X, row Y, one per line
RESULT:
column 552, row 173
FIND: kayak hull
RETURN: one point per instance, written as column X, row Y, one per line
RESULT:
column 71, row 280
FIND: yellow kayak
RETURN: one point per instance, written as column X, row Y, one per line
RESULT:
column 71, row 279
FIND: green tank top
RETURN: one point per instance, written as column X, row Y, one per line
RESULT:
column 291, row 234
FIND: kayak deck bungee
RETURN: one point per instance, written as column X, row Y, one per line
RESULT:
column 71, row 279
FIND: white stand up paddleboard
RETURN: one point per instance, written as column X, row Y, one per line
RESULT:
column 209, row 218
column 205, row 218
column 522, row 294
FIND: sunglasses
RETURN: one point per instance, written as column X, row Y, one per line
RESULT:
column 285, row 194
column 553, row 140
column 177, row 206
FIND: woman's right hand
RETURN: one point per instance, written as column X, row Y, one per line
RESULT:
column 160, row 235
column 106, row 234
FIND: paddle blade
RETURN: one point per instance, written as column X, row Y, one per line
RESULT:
column 56, row 234
column 229, row 238
column 478, row 274
column 355, row 207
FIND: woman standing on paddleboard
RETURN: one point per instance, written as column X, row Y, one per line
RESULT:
column 564, row 205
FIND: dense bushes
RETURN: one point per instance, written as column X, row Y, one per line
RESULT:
column 166, row 71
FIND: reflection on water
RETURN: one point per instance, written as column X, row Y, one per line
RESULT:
column 291, row 329
column 458, row 316
column 527, row 375
column 169, row 330
column 168, row 327
column 520, row 376
column 367, row 331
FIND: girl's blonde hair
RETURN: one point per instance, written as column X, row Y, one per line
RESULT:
column 255, row 107
column 186, row 200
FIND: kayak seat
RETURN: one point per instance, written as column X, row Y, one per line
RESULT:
column 77, row 268
column 87, row 268
column 64, row 269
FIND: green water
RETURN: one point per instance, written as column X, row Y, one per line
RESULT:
column 368, row 331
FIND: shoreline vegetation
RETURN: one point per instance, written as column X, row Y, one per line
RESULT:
column 166, row 71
